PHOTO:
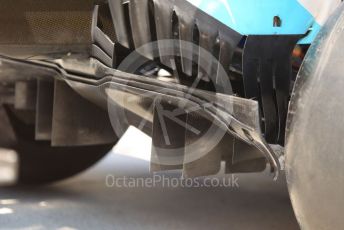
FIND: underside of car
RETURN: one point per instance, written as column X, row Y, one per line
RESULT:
column 52, row 46
column 76, row 74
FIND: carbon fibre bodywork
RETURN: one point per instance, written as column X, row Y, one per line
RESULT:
column 86, row 45
column 241, row 122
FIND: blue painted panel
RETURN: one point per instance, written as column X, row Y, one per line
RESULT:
column 255, row 17
column 314, row 30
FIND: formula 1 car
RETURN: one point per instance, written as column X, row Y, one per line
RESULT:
column 252, row 83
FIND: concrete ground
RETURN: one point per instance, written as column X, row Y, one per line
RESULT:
column 92, row 201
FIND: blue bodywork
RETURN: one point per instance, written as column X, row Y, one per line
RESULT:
column 255, row 17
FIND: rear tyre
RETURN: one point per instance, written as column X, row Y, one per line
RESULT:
column 315, row 147
column 39, row 162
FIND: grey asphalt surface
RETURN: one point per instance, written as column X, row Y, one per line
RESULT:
column 86, row 202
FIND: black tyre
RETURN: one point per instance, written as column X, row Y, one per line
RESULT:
column 315, row 149
column 39, row 162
